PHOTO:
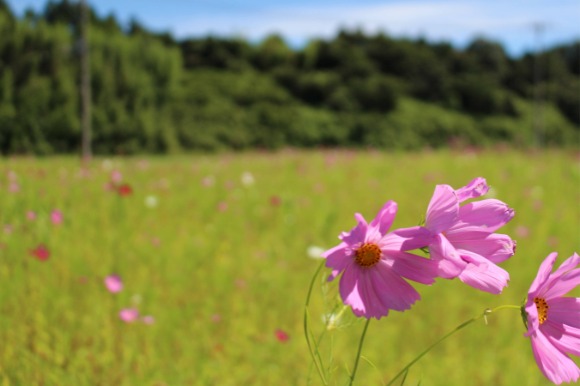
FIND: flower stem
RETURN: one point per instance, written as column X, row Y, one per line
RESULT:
column 314, row 354
column 456, row 329
column 360, row 344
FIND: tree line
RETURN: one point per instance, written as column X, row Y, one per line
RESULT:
column 153, row 93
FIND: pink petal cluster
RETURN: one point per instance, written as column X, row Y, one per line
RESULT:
column 374, row 265
column 114, row 283
column 129, row 315
column 56, row 217
column 553, row 321
column 461, row 239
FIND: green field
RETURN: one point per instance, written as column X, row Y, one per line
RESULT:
column 221, row 264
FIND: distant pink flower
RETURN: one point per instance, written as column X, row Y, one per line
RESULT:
column 129, row 315
column 113, row 283
column 222, row 206
column 56, row 217
column 14, row 187
column 124, row 190
column 116, row 176
column 148, row 319
column 281, row 335
column 462, row 239
column 40, row 252
column 373, row 264
column 553, row 321
column 31, row 215
column 275, row 201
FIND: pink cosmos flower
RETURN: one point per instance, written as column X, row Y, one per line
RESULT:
column 41, row 252
column 56, row 217
column 462, row 239
column 113, row 283
column 553, row 321
column 129, row 315
column 31, row 215
column 148, row 319
column 373, row 264
column 281, row 335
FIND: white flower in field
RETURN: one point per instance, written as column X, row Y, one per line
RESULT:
column 247, row 179
column 315, row 252
column 107, row 164
column 151, row 201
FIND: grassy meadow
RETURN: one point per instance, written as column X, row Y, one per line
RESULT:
column 214, row 249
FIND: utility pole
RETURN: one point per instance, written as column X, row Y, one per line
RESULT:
column 85, row 83
column 539, row 29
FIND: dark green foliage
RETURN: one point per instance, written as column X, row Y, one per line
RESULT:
column 152, row 93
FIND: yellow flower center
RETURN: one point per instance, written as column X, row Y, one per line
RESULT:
column 368, row 255
column 542, row 307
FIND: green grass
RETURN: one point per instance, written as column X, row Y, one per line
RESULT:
column 221, row 282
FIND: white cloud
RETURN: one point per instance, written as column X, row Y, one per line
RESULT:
column 458, row 21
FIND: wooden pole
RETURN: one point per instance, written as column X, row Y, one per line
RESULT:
column 85, row 84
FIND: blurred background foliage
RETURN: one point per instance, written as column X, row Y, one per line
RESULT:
column 155, row 94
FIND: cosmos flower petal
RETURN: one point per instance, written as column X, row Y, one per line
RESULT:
column 484, row 275
column 337, row 258
column 385, row 218
column 493, row 246
column 543, row 274
column 564, row 339
column 476, row 188
column 393, row 291
column 554, row 364
column 349, row 288
column 449, row 260
column 485, row 215
column 563, row 284
column 414, row 267
column 407, row 239
column 442, row 210
column 565, row 311
column 358, row 233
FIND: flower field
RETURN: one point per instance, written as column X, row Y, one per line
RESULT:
column 194, row 270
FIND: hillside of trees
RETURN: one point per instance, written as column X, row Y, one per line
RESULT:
column 153, row 93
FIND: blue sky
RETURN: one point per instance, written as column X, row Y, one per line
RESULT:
column 509, row 22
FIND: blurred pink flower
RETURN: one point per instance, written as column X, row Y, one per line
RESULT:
column 56, row 217
column 281, row 335
column 222, row 206
column 31, row 215
column 40, row 252
column 116, row 176
column 113, row 283
column 148, row 319
column 129, row 315
column 553, row 320
column 522, row 231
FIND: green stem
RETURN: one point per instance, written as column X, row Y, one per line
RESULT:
column 315, row 358
column 456, row 329
column 360, row 344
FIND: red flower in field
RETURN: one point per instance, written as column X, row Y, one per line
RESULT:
column 124, row 190
column 275, row 200
column 40, row 252
column 281, row 335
